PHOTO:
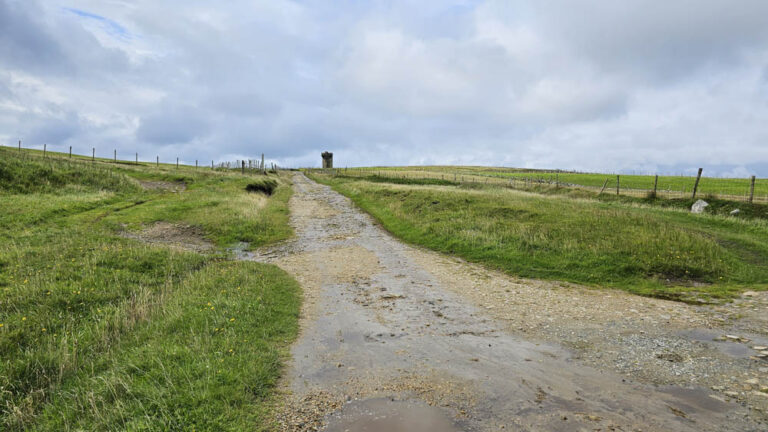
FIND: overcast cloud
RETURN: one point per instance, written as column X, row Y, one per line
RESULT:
column 635, row 85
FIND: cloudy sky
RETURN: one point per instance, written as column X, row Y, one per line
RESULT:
column 631, row 85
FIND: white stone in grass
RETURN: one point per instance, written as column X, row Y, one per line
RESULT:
column 699, row 206
column 735, row 212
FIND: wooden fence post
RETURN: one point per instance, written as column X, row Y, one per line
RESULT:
column 655, row 184
column 752, row 189
column 19, row 145
column 618, row 181
column 137, row 158
column 177, row 163
column 211, row 165
column 70, row 152
column 45, row 149
column 605, row 183
column 195, row 163
column 696, row 185
column 242, row 169
column 93, row 155
column 262, row 163
column 115, row 155
column 157, row 163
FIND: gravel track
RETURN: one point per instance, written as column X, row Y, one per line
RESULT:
column 391, row 333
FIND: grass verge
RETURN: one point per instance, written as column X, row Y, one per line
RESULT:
column 103, row 332
column 662, row 252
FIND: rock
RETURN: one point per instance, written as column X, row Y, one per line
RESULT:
column 732, row 394
column 757, row 393
column 670, row 357
column 752, row 381
column 749, row 293
column 735, row 212
column 699, row 206
column 759, row 348
column 718, row 388
column 733, row 337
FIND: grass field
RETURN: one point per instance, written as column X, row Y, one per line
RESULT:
column 103, row 332
column 622, row 243
column 675, row 185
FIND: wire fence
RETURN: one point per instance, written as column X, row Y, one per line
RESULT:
column 681, row 188
column 244, row 165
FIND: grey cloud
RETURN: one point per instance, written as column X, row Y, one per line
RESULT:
column 173, row 125
column 242, row 103
column 25, row 41
column 660, row 40
column 53, row 130
column 581, row 84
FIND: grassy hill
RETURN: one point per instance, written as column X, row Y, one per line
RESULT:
column 675, row 186
column 120, row 308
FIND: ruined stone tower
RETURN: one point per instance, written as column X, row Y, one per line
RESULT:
column 327, row 159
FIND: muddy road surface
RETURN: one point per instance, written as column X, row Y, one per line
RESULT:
column 389, row 342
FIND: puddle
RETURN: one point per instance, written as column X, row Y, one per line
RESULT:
column 731, row 348
column 240, row 251
column 695, row 399
column 385, row 415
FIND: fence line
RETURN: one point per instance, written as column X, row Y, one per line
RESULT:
column 254, row 165
column 519, row 182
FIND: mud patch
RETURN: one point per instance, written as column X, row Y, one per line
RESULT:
column 386, row 415
column 183, row 237
column 163, row 185
column 441, row 399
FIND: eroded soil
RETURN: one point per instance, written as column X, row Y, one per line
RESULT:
column 177, row 236
column 393, row 335
column 163, row 185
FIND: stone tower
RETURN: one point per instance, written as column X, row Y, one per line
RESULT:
column 327, row 159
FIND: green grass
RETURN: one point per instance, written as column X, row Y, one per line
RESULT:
column 102, row 332
column 737, row 187
column 621, row 243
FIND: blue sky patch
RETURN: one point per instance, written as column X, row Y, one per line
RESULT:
column 111, row 27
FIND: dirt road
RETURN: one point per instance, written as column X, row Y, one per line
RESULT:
column 394, row 338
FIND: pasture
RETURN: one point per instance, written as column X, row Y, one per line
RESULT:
column 121, row 308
